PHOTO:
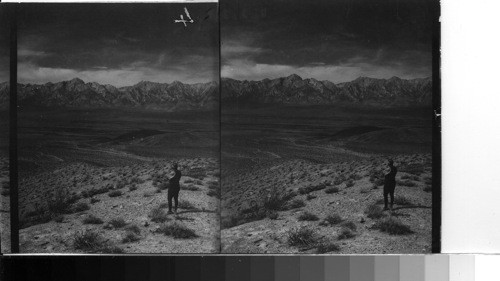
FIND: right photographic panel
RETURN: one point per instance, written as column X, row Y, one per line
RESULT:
column 327, row 126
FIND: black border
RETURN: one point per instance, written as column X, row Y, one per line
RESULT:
column 436, row 129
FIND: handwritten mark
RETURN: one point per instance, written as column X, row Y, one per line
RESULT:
column 185, row 21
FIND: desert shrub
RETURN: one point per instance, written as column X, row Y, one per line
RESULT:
column 331, row 220
column 120, row 184
column 115, row 193
column 295, row 204
column 408, row 183
column 158, row 215
column 61, row 201
column 132, row 187
column 190, row 187
column 345, row 233
column 339, row 180
column 415, row 169
column 374, row 211
column 306, row 216
column 186, row 205
column 310, row 197
column 311, row 188
column 5, row 192
column 410, row 177
column 59, row 218
column 327, row 247
column 91, row 219
column 130, row 237
column 272, row 215
column 403, row 201
column 331, row 190
column 88, row 241
column 133, row 228
column 349, row 183
column 197, row 173
column 177, row 230
column 278, row 200
column 118, row 223
column 94, row 191
column 147, row 194
column 302, row 236
column 93, row 200
column 355, row 176
column 80, row 207
column 428, row 188
column 349, row 224
column 392, row 226
column 158, row 190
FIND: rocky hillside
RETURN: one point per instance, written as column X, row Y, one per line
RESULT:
column 294, row 90
column 78, row 94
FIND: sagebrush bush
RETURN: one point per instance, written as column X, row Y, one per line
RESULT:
column 345, row 233
column 80, row 207
column 327, row 247
column 295, row 204
column 133, row 228
column 374, row 211
column 130, row 237
column 61, row 201
column 177, row 230
column 186, row 205
column 88, row 241
column 392, row 226
column 302, row 236
column 311, row 188
column 190, row 187
column 278, row 200
column 331, row 190
column 306, row 216
column 349, row 224
column 158, row 215
column 331, row 220
column 91, row 219
column 115, row 193
column 118, row 222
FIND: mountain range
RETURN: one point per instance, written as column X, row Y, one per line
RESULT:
column 294, row 90
column 176, row 96
column 76, row 93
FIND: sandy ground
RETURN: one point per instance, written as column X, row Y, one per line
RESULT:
column 350, row 202
column 200, row 175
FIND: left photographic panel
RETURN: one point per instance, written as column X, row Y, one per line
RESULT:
column 118, row 128
column 5, row 12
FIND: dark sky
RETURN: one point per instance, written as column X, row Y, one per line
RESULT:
column 336, row 40
column 117, row 44
column 4, row 45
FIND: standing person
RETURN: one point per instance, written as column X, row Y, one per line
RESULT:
column 390, row 183
column 173, row 189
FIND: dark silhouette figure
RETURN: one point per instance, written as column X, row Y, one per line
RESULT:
column 390, row 183
column 173, row 189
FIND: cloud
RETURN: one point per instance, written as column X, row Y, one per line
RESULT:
column 245, row 70
column 30, row 73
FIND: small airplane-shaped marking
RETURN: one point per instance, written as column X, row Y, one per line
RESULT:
column 185, row 21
